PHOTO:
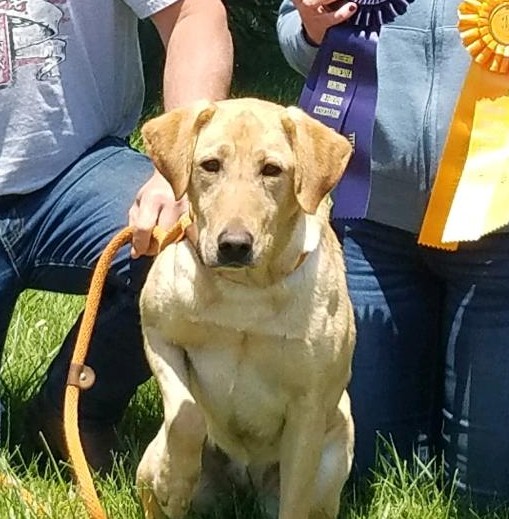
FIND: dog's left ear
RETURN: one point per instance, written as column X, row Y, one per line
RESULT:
column 321, row 156
column 170, row 140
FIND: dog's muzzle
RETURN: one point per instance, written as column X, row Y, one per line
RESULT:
column 235, row 248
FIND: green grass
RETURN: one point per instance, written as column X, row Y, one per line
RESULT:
column 38, row 326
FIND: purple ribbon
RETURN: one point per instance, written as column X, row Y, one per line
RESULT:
column 341, row 92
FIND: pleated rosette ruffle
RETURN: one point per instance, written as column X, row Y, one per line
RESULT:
column 372, row 14
column 484, row 30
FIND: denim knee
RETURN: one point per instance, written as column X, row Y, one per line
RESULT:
column 395, row 387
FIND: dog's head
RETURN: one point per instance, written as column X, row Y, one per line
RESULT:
column 250, row 167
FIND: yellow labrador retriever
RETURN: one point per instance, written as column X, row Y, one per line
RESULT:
column 248, row 327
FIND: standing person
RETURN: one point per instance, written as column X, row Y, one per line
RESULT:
column 71, row 91
column 432, row 355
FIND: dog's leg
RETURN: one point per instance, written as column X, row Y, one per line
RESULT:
column 220, row 475
column 301, row 446
column 335, row 463
column 170, row 468
column 265, row 480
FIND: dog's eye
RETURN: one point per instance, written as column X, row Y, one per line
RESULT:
column 212, row 165
column 271, row 170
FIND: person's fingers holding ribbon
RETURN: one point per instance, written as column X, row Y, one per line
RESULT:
column 319, row 15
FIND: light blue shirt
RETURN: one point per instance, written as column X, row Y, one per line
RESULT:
column 421, row 65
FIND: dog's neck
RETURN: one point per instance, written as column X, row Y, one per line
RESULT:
column 304, row 237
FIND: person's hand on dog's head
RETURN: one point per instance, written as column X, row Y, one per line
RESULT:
column 318, row 15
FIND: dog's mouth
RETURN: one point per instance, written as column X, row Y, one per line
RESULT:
column 232, row 266
column 224, row 264
column 218, row 262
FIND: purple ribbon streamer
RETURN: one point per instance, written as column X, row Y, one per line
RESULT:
column 352, row 194
column 344, row 72
column 341, row 92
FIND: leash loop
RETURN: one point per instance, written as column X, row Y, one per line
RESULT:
column 81, row 376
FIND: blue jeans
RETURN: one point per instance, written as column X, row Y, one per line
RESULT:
column 51, row 239
column 431, row 365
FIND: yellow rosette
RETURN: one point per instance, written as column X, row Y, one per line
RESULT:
column 470, row 197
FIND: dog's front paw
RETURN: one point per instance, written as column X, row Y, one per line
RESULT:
column 154, row 508
column 151, row 508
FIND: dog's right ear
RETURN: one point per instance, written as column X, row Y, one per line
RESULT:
column 321, row 156
column 170, row 140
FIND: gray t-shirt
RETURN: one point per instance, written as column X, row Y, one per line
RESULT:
column 70, row 74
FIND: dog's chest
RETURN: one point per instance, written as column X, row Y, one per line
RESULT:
column 246, row 364
column 244, row 389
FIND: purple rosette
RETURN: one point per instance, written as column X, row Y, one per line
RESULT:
column 372, row 14
column 341, row 92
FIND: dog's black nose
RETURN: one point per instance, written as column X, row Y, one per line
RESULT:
column 235, row 248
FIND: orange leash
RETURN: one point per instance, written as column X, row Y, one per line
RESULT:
column 81, row 377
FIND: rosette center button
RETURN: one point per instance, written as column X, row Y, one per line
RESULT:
column 499, row 23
